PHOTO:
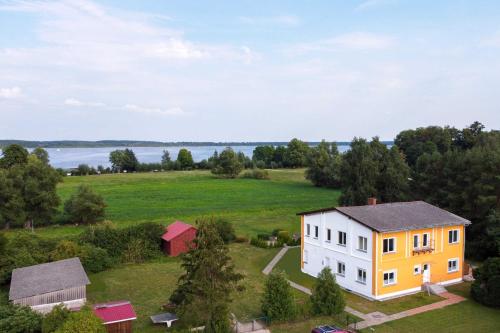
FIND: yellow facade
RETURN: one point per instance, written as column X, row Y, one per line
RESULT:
column 405, row 259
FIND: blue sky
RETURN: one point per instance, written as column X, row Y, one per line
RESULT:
column 245, row 70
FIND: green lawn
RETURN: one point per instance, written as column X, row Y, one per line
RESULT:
column 467, row 316
column 290, row 263
column 149, row 285
column 252, row 205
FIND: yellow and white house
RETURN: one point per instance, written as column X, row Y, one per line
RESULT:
column 382, row 251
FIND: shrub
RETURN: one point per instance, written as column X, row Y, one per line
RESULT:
column 486, row 287
column 19, row 319
column 263, row 236
column 278, row 303
column 256, row 174
column 227, row 164
column 55, row 319
column 83, row 321
column 93, row 259
column 226, row 230
column 327, row 298
column 241, row 239
column 85, row 206
column 105, row 236
column 284, row 237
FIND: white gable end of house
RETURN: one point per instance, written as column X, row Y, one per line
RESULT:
column 355, row 255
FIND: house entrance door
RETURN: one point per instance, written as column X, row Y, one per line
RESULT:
column 426, row 273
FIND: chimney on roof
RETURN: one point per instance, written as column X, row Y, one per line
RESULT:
column 372, row 201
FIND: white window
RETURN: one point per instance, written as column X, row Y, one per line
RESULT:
column 453, row 265
column 416, row 241
column 453, row 236
column 416, row 269
column 362, row 243
column 425, row 240
column 389, row 278
column 361, row 278
column 306, row 256
column 389, row 245
column 308, row 230
column 340, row 268
column 316, row 231
column 327, row 262
column 328, row 235
column 342, row 238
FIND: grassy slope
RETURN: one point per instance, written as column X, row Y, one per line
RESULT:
column 149, row 285
column 467, row 316
column 291, row 265
column 252, row 205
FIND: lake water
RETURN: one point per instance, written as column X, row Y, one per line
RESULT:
column 71, row 157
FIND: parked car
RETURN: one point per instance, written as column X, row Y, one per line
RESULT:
column 328, row 329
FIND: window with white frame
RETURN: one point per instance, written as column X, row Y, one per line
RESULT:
column 361, row 277
column 340, row 268
column 416, row 269
column 362, row 243
column 306, row 256
column 316, row 231
column 425, row 240
column 327, row 261
column 452, row 265
column 453, row 236
column 328, row 235
column 416, row 241
column 342, row 238
column 308, row 230
column 389, row 245
column 389, row 277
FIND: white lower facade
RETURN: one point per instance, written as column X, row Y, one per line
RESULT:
column 46, row 308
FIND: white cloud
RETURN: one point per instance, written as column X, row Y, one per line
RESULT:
column 174, row 111
column 10, row 93
column 284, row 20
column 78, row 103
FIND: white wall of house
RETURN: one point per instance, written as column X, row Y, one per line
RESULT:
column 319, row 252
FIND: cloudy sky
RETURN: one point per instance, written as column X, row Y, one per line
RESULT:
column 180, row 70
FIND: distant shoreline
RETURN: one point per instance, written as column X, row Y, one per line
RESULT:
column 132, row 143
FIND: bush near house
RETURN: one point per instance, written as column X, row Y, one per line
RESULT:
column 19, row 319
column 327, row 298
column 486, row 287
column 55, row 319
column 278, row 303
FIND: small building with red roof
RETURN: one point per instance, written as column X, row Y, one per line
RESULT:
column 178, row 238
column 117, row 316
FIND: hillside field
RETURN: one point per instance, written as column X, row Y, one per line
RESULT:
column 251, row 205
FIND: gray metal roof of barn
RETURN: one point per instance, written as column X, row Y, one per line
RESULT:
column 46, row 278
column 398, row 216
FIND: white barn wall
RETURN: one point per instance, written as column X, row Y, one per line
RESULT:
column 319, row 249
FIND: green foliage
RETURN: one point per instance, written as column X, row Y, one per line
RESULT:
column 486, row 287
column 256, row 174
column 185, row 159
column 83, row 321
column 166, row 161
column 324, row 164
column 296, row 154
column 11, row 201
column 41, row 154
column 225, row 230
column 93, row 259
column 226, row 164
column 85, row 206
column 123, row 160
column 132, row 244
column 372, row 170
column 204, row 290
column 327, row 298
column 264, row 155
column 13, row 155
column 278, row 303
column 19, row 319
column 55, row 318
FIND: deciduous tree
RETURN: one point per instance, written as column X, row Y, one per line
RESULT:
column 85, row 206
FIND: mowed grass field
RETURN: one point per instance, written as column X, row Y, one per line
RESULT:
column 251, row 205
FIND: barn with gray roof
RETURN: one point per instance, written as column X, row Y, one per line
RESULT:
column 43, row 286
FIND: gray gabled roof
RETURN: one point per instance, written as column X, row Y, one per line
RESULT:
column 46, row 278
column 398, row 216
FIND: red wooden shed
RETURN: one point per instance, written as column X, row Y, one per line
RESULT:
column 178, row 238
column 117, row 316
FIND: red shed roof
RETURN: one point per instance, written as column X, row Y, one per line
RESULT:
column 175, row 229
column 114, row 312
